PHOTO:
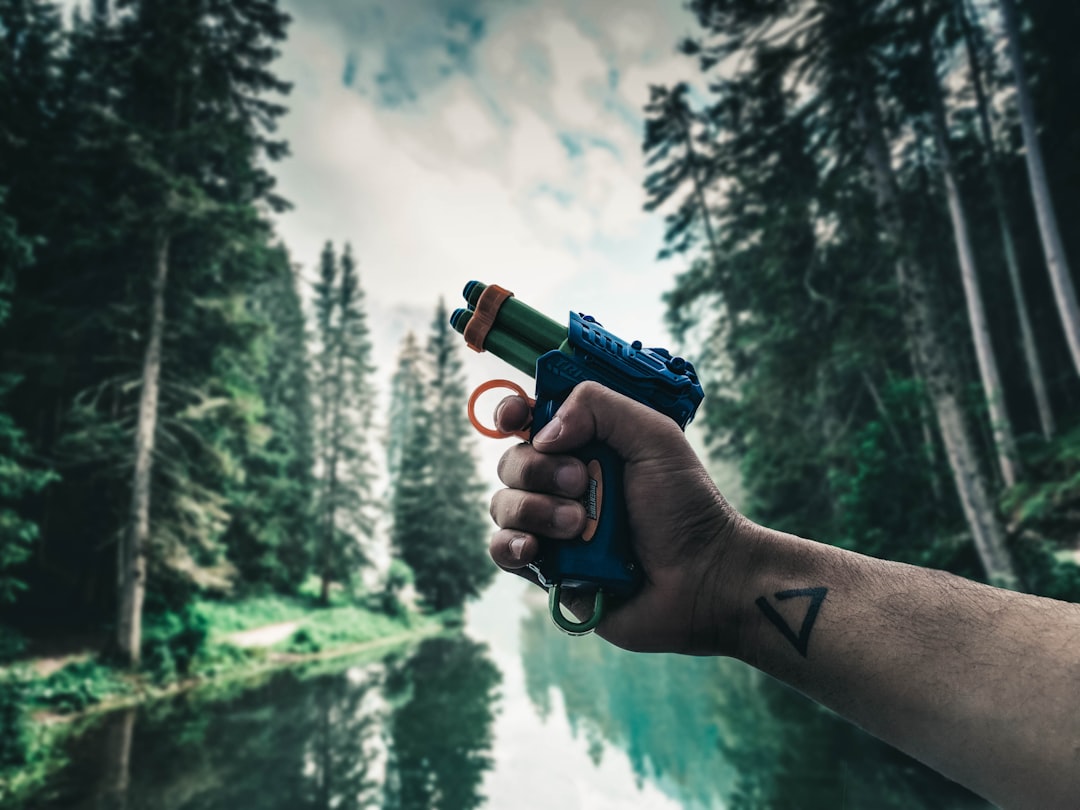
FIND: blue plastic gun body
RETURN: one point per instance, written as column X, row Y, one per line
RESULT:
column 602, row 557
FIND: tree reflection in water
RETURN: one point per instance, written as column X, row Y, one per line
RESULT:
column 442, row 726
column 413, row 731
column 715, row 733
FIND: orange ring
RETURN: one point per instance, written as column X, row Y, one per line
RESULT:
column 492, row 433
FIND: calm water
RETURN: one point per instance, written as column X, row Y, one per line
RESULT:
column 511, row 714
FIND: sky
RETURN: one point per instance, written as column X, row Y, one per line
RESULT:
column 498, row 140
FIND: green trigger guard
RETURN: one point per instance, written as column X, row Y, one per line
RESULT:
column 569, row 627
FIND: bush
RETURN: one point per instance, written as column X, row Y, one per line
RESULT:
column 76, row 686
column 398, row 578
column 15, row 741
column 302, row 642
column 171, row 640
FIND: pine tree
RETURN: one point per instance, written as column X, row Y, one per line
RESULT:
column 193, row 108
column 993, row 391
column 406, row 396
column 346, row 410
column 974, row 47
column 1057, row 263
column 831, row 56
column 17, row 478
column 438, row 525
column 270, row 536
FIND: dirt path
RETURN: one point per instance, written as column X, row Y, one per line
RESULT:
column 265, row 636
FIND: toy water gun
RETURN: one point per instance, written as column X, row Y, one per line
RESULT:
column 560, row 357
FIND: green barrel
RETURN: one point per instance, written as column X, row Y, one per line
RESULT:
column 522, row 321
column 506, row 347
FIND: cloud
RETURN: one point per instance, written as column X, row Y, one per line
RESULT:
column 394, row 52
column 505, row 146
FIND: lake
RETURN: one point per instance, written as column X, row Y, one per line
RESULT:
column 508, row 714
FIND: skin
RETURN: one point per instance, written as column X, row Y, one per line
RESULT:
column 980, row 683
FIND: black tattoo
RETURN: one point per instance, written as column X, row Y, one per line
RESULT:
column 817, row 596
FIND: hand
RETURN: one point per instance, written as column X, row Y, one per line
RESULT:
column 682, row 529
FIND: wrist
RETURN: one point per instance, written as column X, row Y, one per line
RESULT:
column 737, row 558
column 756, row 563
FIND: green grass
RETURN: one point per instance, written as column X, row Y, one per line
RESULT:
column 226, row 618
column 346, row 625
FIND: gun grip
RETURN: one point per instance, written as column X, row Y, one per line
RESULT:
column 601, row 557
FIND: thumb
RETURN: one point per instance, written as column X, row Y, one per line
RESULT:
column 595, row 412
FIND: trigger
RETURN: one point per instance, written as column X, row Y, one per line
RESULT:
column 493, row 433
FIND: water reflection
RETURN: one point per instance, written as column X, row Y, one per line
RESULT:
column 715, row 733
column 409, row 732
column 441, row 729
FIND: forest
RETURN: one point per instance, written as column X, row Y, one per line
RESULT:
column 874, row 201
column 182, row 415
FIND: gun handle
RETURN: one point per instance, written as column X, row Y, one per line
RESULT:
column 601, row 557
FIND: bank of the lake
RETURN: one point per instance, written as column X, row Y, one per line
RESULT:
column 43, row 698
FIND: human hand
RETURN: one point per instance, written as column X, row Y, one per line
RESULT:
column 682, row 530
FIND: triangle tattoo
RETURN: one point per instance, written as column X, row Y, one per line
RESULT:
column 800, row 641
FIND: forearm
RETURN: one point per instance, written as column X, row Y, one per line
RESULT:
column 979, row 683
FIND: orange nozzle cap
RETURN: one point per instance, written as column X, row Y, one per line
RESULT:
column 487, row 307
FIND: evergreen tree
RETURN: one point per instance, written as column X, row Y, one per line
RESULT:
column 845, row 51
column 974, row 47
column 406, row 396
column 346, row 408
column 17, row 478
column 990, row 375
column 1057, row 263
column 270, row 536
column 438, row 527
column 193, row 105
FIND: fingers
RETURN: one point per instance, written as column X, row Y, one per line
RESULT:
column 633, row 430
column 512, row 549
column 531, row 512
column 512, row 414
column 521, row 467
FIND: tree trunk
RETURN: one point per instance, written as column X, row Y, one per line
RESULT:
column 1012, row 262
column 1004, row 441
column 1053, row 248
column 132, row 549
column 932, row 355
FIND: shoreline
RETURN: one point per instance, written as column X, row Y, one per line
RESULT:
column 46, row 729
column 149, row 693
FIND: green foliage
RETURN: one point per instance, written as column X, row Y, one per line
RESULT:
column 302, row 642
column 1043, row 511
column 12, row 644
column 1052, row 490
column 399, row 577
column 18, row 480
column 16, row 739
column 76, row 686
column 814, row 385
column 172, row 640
column 438, row 524
column 344, row 403
column 270, row 536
